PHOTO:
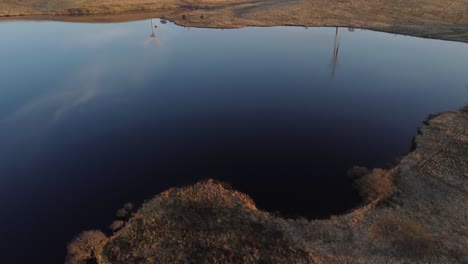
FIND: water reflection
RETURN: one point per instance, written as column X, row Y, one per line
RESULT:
column 100, row 121
column 99, row 37
column 78, row 89
column 336, row 50
column 153, row 37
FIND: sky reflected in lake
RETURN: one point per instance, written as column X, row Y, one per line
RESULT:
column 95, row 115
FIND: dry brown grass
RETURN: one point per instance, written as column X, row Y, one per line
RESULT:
column 86, row 247
column 443, row 19
column 204, row 223
column 378, row 184
column 209, row 223
column 405, row 236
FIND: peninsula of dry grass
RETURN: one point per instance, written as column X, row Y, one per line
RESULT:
column 413, row 213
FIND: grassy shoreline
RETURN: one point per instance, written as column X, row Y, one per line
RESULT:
column 445, row 19
column 412, row 214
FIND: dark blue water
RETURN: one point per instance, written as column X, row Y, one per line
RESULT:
column 96, row 115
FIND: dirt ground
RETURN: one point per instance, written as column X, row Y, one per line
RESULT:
column 442, row 19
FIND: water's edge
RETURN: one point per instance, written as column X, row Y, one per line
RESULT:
column 398, row 223
column 398, row 18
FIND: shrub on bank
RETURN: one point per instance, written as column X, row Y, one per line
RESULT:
column 376, row 184
column 86, row 248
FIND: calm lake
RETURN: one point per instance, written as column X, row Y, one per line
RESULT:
column 96, row 115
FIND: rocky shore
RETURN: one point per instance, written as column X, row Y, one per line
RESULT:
column 413, row 213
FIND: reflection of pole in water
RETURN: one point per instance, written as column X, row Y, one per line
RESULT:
column 336, row 51
column 153, row 34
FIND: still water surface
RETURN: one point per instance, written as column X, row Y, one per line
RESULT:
column 95, row 115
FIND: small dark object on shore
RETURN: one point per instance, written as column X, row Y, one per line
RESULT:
column 116, row 225
column 163, row 21
column 125, row 211
column 357, row 172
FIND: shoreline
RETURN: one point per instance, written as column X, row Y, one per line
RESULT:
column 444, row 20
column 412, row 214
column 122, row 18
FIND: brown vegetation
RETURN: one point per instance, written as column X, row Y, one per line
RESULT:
column 201, row 223
column 443, row 19
column 208, row 223
column 377, row 184
column 404, row 236
column 86, row 247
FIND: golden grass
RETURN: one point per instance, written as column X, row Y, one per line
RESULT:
column 86, row 247
column 407, row 237
column 378, row 184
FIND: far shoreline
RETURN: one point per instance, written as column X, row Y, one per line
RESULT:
column 117, row 18
column 432, row 21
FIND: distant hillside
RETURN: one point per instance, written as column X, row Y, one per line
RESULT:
column 442, row 19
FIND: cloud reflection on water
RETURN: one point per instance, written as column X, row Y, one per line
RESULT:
column 78, row 89
column 98, row 38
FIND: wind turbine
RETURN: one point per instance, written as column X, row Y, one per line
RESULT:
column 153, row 35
